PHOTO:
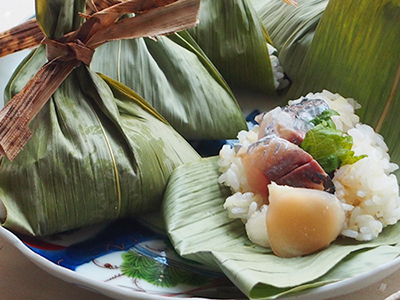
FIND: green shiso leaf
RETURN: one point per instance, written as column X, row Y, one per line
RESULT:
column 325, row 116
column 328, row 145
column 200, row 230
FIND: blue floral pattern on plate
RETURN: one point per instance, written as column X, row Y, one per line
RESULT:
column 133, row 254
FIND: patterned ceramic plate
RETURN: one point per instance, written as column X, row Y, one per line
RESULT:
column 132, row 256
column 133, row 259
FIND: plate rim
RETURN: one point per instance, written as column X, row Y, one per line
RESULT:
column 77, row 279
column 329, row 290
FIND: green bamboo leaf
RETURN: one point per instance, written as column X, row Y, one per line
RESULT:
column 98, row 152
column 233, row 37
column 291, row 29
column 26, row 69
column 200, row 229
column 175, row 77
column 58, row 17
column 356, row 52
column 184, row 39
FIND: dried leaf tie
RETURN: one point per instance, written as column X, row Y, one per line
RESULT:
column 23, row 36
column 75, row 50
column 152, row 18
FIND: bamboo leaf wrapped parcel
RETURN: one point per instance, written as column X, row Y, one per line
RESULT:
column 174, row 75
column 291, row 29
column 171, row 72
column 96, row 155
column 97, row 152
column 231, row 33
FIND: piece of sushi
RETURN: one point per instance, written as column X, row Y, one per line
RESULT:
column 270, row 155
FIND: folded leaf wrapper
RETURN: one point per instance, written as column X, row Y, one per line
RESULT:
column 356, row 53
column 200, row 230
column 291, row 29
column 171, row 72
column 233, row 37
column 97, row 154
column 177, row 79
column 96, row 150
column 68, row 51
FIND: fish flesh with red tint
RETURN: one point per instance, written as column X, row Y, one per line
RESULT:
column 274, row 159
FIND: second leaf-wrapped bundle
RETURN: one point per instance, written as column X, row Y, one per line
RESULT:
column 98, row 153
column 178, row 80
column 94, row 150
column 232, row 35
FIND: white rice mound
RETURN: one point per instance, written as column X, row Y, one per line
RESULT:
column 371, row 202
column 243, row 203
column 367, row 186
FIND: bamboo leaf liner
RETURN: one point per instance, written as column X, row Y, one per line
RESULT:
column 200, row 230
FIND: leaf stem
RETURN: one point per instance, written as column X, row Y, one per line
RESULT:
column 390, row 100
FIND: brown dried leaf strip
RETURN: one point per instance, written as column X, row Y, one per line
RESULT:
column 24, row 36
column 158, row 21
column 23, row 107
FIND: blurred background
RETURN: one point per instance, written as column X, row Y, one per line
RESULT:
column 12, row 13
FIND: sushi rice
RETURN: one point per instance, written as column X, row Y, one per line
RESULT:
column 280, row 81
column 370, row 202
